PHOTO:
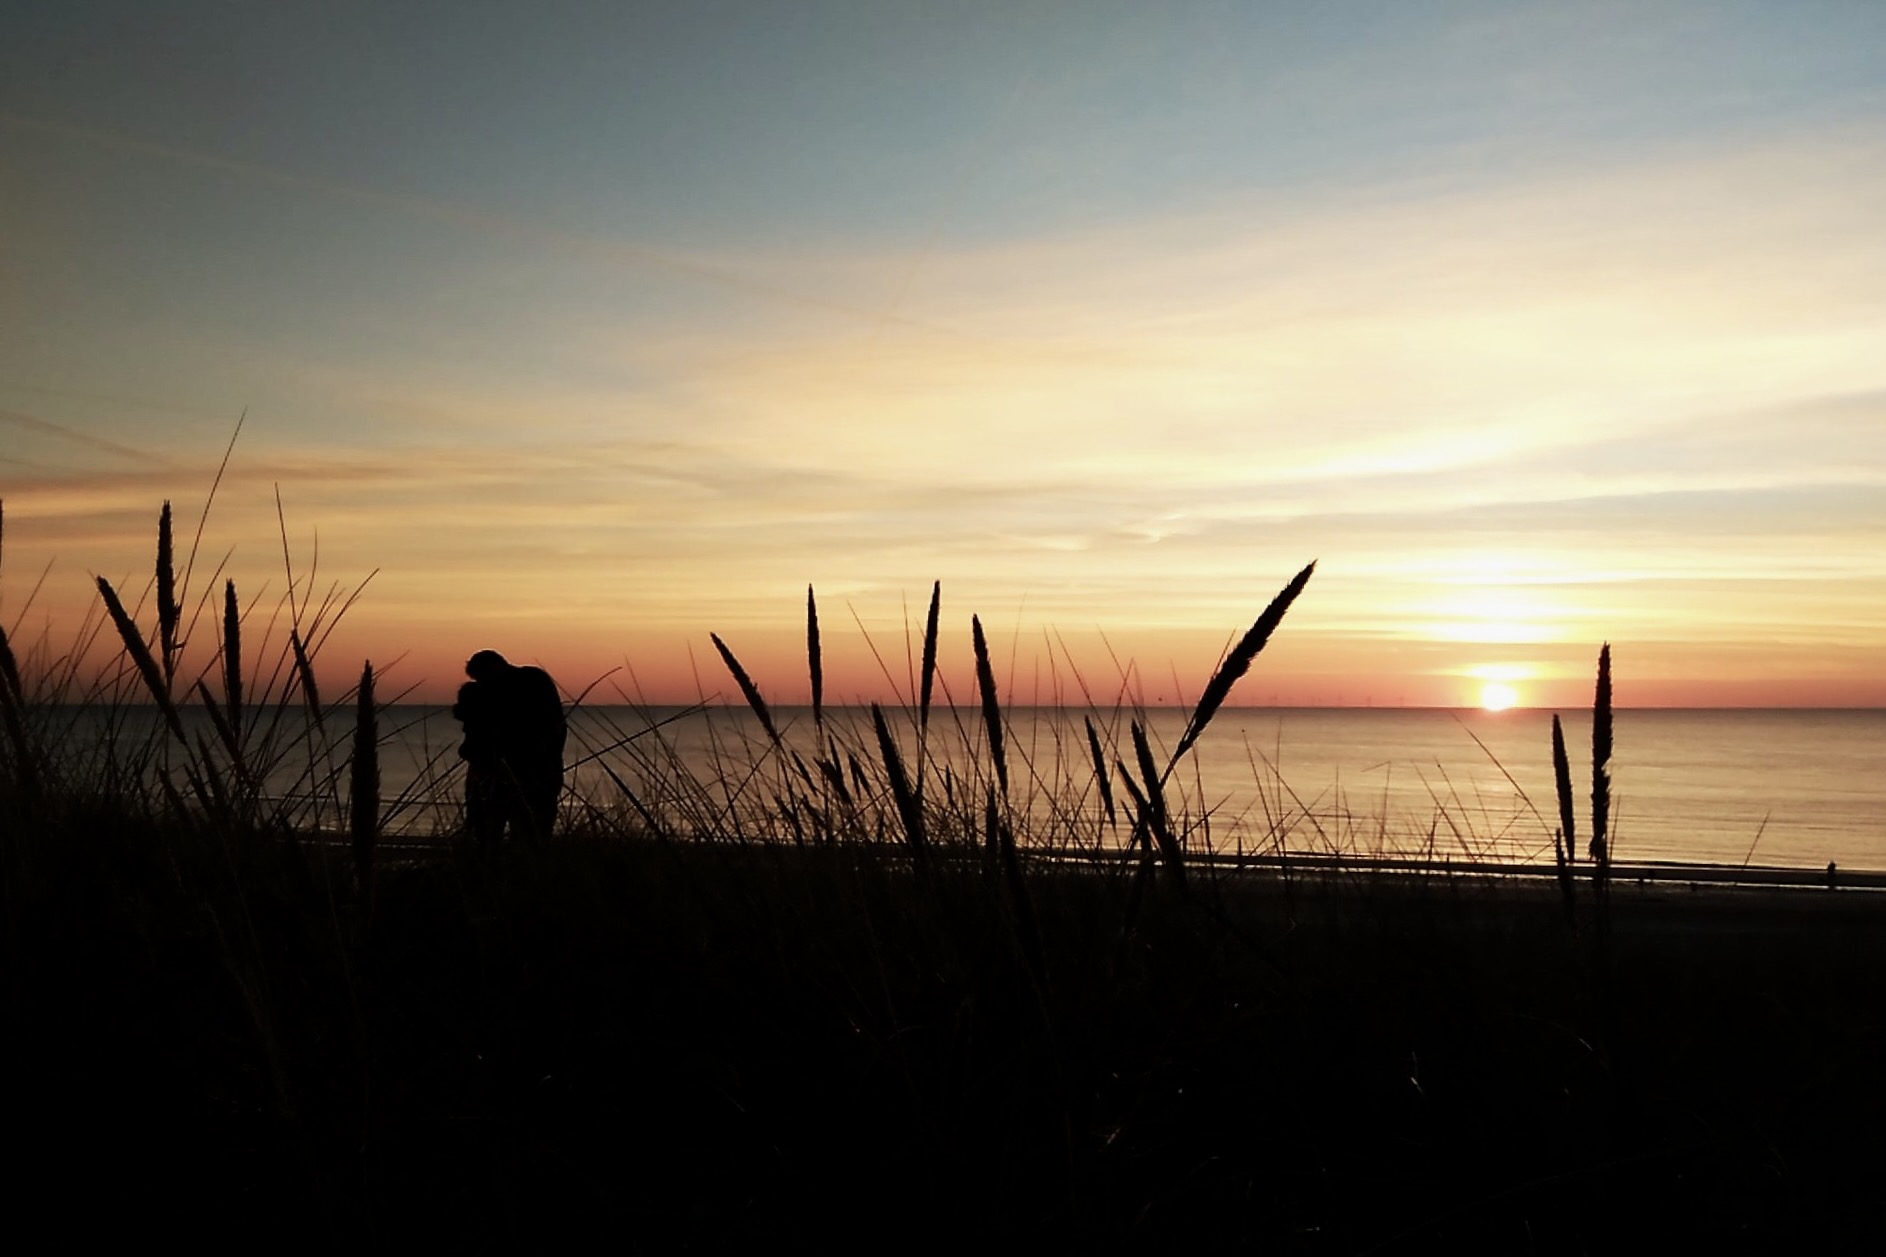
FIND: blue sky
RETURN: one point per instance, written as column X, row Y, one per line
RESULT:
column 596, row 327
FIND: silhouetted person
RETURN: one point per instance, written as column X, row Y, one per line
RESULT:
column 513, row 749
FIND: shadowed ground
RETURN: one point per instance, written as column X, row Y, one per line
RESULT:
column 670, row 1046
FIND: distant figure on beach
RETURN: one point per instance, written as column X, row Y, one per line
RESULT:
column 513, row 749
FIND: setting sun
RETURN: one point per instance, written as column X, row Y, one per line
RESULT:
column 1497, row 696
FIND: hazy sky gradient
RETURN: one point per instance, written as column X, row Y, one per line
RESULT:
column 596, row 327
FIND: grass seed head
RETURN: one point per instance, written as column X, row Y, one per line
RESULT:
column 1238, row 662
column 909, row 804
column 1562, row 776
column 991, row 708
column 140, row 654
column 1101, row 778
column 232, row 658
column 815, row 662
column 747, row 687
column 1601, row 761
column 928, row 681
column 169, row 614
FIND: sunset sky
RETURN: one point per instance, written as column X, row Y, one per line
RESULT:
column 593, row 328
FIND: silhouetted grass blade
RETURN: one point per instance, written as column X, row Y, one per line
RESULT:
column 909, row 805
column 1601, row 764
column 928, row 680
column 1564, row 850
column 1159, row 822
column 1562, row 777
column 834, row 777
column 1021, row 904
column 208, row 783
column 232, row 659
column 1237, row 663
column 224, row 733
column 747, row 687
column 991, row 709
column 1141, row 839
column 140, row 653
column 304, row 671
column 363, row 815
column 168, row 612
column 1100, row 769
column 815, row 662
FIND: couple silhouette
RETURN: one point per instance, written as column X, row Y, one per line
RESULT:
column 513, row 749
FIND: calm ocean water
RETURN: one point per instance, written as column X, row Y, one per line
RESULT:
column 1770, row 787
column 1778, row 787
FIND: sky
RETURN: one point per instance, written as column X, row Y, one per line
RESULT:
column 580, row 331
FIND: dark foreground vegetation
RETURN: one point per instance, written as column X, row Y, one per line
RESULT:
column 861, row 1009
column 677, row 1046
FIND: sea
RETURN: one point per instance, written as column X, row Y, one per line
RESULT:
column 1780, row 788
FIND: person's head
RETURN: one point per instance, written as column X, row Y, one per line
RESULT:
column 485, row 665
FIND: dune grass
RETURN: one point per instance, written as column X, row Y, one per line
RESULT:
column 868, row 999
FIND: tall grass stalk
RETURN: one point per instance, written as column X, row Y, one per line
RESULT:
column 220, row 720
column 1156, row 817
column 304, row 673
column 908, row 802
column 927, row 682
column 991, row 708
column 232, row 660
column 1102, row 780
column 1001, row 839
column 1601, row 772
column 815, row 663
column 363, row 814
column 209, row 500
column 1236, row 664
column 140, row 655
column 1140, row 840
column 168, row 613
column 1565, row 838
column 747, row 688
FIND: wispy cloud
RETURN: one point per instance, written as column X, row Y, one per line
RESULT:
column 1657, row 376
column 59, row 432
